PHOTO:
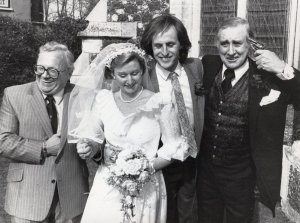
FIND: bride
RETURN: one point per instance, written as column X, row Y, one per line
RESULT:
column 124, row 118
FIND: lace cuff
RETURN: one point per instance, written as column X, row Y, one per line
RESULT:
column 177, row 149
column 75, row 135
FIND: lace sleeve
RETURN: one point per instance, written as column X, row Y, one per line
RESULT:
column 174, row 145
column 91, row 126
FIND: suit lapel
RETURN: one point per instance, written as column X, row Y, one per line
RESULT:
column 192, row 78
column 255, row 96
column 153, row 80
column 212, row 66
column 64, row 124
column 37, row 103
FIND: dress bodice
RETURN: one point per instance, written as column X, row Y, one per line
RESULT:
column 139, row 129
column 154, row 120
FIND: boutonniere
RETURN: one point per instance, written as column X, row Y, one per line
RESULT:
column 199, row 89
column 272, row 97
column 257, row 81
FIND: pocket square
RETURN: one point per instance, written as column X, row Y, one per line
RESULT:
column 272, row 97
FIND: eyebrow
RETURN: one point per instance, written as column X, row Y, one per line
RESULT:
column 233, row 41
column 134, row 71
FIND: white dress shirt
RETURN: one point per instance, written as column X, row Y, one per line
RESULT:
column 239, row 72
column 59, row 105
column 287, row 74
column 165, row 88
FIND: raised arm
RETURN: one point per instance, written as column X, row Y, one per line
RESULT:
column 289, row 77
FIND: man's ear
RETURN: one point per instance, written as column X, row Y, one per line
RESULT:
column 70, row 72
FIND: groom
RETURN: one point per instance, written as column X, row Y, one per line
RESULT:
column 46, row 181
column 165, row 39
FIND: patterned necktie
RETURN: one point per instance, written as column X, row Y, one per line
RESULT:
column 226, row 83
column 51, row 109
column 186, row 129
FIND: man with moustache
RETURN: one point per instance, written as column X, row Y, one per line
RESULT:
column 243, row 133
column 165, row 39
column 46, row 181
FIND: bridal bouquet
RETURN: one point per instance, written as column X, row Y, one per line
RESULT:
column 132, row 170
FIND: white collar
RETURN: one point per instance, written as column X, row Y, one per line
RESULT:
column 58, row 96
column 239, row 72
column 165, row 73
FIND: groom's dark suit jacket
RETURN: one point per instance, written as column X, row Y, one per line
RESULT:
column 266, row 123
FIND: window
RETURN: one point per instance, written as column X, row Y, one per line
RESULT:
column 4, row 4
column 269, row 22
column 213, row 12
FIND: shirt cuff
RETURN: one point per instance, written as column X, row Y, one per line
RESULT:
column 287, row 74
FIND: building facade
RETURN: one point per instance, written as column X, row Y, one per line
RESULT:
column 274, row 22
column 26, row 10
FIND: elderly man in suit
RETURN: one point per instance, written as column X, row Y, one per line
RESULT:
column 245, row 112
column 165, row 38
column 47, row 181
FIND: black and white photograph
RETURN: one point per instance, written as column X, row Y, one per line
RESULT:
column 150, row 111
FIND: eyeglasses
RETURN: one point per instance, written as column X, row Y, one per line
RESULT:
column 52, row 72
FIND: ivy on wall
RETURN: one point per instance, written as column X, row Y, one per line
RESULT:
column 21, row 40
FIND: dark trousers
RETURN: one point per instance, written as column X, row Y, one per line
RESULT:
column 225, row 193
column 180, row 178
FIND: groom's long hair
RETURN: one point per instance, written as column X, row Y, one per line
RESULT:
column 161, row 24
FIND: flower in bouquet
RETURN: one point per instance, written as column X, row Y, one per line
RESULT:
column 144, row 176
column 132, row 170
column 131, row 187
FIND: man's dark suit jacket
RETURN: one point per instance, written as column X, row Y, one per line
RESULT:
column 266, row 123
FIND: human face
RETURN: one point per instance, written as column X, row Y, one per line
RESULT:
column 48, row 85
column 129, row 78
column 165, row 46
column 233, row 46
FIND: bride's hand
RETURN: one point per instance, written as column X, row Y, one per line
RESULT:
column 87, row 148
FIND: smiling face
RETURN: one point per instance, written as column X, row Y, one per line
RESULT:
column 48, row 85
column 166, row 47
column 233, row 46
column 129, row 78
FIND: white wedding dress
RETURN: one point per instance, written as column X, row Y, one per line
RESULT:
column 142, row 129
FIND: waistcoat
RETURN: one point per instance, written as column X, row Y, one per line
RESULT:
column 226, row 138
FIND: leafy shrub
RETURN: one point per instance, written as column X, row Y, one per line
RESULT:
column 21, row 40
column 17, row 49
